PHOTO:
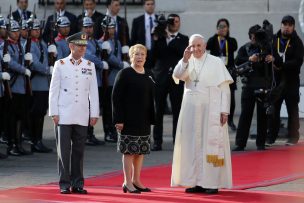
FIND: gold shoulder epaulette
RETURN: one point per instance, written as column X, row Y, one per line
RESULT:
column 61, row 61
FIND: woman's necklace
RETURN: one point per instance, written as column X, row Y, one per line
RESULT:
column 197, row 74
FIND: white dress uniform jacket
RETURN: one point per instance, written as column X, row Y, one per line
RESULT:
column 73, row 87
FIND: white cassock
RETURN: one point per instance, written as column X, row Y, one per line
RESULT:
column 202, row 151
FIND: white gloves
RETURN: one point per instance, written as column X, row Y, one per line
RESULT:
column 28, row 57
column 105, row 65
column 52, row 49
column 27, row 72
column 126, row 64
column 106, row 46
column 5, row 76
column 51, row 69
column 6, row 58
column 125, row 49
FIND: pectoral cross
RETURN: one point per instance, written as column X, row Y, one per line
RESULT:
column 196, row 81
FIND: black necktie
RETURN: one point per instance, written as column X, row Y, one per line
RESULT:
column 172, row 36
column 24, row 15
column 151, row 23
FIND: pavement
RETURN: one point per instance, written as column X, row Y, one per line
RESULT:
column 42, row 168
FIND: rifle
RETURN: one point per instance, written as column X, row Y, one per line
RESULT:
column 51, row 56
column 125, row 56
column 7, row 87
column 28, row 50
column 104, row 53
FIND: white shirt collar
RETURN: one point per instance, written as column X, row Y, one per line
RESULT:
column 147, row 16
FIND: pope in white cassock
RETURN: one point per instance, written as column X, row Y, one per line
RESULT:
column 201, row 158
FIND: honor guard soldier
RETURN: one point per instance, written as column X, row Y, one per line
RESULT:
column 3, row 37
column 3, row 31
column 63, row 26
column 73, row 89
column 4, row 76
column 114, row 49
column 93, row 53
column 23, row 32
column 40, row 86
column 17, row 105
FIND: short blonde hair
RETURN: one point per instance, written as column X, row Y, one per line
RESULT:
column 136, row 47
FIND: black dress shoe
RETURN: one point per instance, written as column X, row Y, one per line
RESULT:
column 40, row 148
column 238, row 149
column 93, row 141
column 3, row 156
column 125, row 189
column 232, row 125
column 196, row 189
column 110, row 137
column 23, row 151
column 65, row 191
column 142, row 189
column 79, row 190
column 211, row 191
column 13, row 151
column 261, row 148
column 156, row 148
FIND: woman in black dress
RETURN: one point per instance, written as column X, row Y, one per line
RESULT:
column 133, row 114
column 224, row 46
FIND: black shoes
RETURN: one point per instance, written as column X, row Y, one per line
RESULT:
column 3, row 156
column 65, row 191
column 261, row 148
column 93, row 141
column 211, row 191
column 156, row 147
column 17, row 151
column 40, row 148
column 291, row 142
column 238, row 149
column 125, row 189
column 142, row 189
column 199, row 189
column 111, row 137
column 79, row 190
column 232, row 125
column 196, row 189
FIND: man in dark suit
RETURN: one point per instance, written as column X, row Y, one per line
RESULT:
column 59, row 11
column 21, row 13
column 141, row 29
column 167, row 51
column 89, row 6
column 122, row 29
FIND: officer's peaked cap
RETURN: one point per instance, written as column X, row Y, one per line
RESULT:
column 79, row 38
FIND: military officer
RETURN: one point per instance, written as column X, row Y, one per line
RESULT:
column 17, row 105
column 93, row 53
column 73, row 100
column 63, row 26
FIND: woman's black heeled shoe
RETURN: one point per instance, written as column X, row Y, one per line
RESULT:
column 125, row 189
column 142, row 189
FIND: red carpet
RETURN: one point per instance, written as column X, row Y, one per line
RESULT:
column 250, row 169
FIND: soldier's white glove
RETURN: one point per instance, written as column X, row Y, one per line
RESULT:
column 5, row 76
column 106, row 46
column 52, row 49
column 28, row 57
column 105, row 65
column 126, row 64
column 6, row 58
column 51, row 69
column 125, row 49
column 27, row 72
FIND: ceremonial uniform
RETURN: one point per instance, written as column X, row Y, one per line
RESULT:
column 60, row 41
column 93, row 53
column 73, row 89
column 17, row 107
column 40, row 87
